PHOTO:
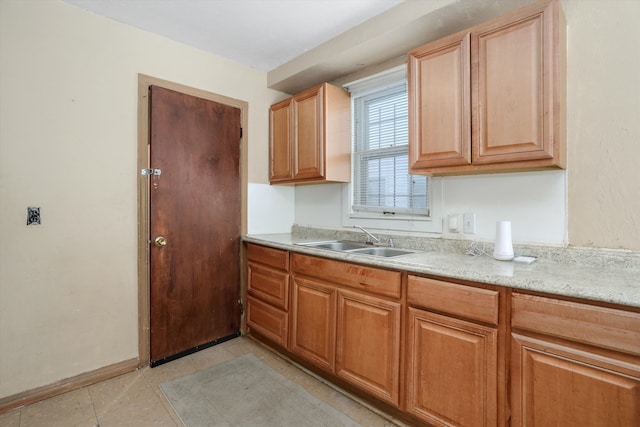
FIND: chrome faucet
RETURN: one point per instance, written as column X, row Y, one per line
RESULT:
column 370, row 236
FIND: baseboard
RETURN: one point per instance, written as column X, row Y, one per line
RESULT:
column 69, row 384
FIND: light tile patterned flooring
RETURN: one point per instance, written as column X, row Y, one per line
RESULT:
column 134, row 399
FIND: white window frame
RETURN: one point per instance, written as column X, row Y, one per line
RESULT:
column 398, row 221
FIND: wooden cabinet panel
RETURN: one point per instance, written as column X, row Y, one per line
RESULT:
column 513, row 90
column 269, row 285
column 556, row 385
column 599, row 326
column 268, row 292
column 309, row 149
column 439, row 97
column 368, row 346
column 371, row 279
column 310, row 137
column 452, row 372
column 276, row 258
column 460, row 300
column 514, row 96
column 268, row 321
column 281, row 147
column 313, row 322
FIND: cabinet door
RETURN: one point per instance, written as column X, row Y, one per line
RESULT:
column 281, row 149
column 368, row 344
column 512, row 79
column 556, row 385
column 452, row 376
column 313, row 322
column 308, row 117
column 440, row 104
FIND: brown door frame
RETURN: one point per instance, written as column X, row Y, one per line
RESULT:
column 144, row 82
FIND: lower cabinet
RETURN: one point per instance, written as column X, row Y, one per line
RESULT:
column 349, row 333
column 453, row 364
column 313, row 322
column 368, row 344
column 452, row 372
column 470, row 355
column 268, row 292
column 573, row 364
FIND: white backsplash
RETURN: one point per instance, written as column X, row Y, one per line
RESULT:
column 534, row 202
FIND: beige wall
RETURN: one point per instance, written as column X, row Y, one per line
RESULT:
column 68, row 120
column 603, row 123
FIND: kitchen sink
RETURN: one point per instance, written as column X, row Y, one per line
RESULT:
column 336, row 245
column 359, row 248
column 384, row 251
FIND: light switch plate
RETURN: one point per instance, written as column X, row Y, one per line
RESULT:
column 469, row 223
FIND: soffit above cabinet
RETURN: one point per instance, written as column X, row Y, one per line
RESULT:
column 384, row 39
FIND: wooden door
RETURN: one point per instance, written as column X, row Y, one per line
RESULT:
column 313, row 322
column 368, row 344
column 512, row 77
column 280, row 147
column 195, row 206
column 440, row 104
column 308, row 116
column 452, row 376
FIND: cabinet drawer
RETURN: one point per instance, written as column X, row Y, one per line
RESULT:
column 267, row 320
column 460, row 300
column 268, row 256
column 375, row 280
column 269, row 285
column 600, row 326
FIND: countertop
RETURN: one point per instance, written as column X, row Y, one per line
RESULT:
column 602, row 284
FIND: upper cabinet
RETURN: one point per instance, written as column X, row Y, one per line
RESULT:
column 491, row 98
column 440, row 104
column 310, row 137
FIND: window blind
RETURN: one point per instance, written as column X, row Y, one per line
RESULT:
column 381, row 180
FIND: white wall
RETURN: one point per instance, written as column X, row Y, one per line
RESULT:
column 271, row 208
column 68, row 129
column 533, row 201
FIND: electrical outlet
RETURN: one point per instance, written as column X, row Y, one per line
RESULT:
column 33, row 216
column 469, row 223
column 453, row 223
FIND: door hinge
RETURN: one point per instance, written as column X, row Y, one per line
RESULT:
column 147, row 172
column 240, row 133
column 241, row 307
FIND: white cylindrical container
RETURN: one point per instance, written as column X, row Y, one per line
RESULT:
column 503, row 249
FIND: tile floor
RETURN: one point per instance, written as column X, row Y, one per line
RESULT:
column 134, row 399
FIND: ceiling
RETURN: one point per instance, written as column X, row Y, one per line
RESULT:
column 262, row 34
column 301, row 43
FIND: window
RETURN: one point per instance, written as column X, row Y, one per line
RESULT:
column 381, row 181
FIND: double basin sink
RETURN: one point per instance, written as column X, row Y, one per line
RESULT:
column 359, row 248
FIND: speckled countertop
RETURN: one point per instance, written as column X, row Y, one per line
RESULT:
column 599, row 278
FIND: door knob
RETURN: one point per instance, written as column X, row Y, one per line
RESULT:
column 160, row 241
